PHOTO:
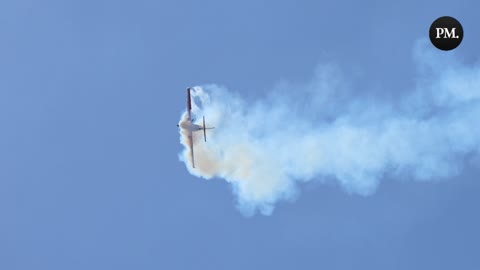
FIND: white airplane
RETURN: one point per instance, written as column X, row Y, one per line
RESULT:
column 191, row 127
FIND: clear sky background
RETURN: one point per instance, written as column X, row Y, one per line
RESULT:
column 90, row 95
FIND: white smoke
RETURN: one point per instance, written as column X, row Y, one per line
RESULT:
column 326, row 129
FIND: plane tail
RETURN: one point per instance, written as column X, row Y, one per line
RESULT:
column 205, row 129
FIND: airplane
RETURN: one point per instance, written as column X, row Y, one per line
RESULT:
column 191, row 127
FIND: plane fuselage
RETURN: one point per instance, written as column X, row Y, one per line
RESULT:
column 188, row 125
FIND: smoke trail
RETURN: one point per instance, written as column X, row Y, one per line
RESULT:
column 325, row 130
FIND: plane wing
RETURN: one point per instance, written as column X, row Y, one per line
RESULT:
column 190, row 138
column 189, row 105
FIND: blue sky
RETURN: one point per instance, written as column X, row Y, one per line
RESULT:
column 91, row 91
